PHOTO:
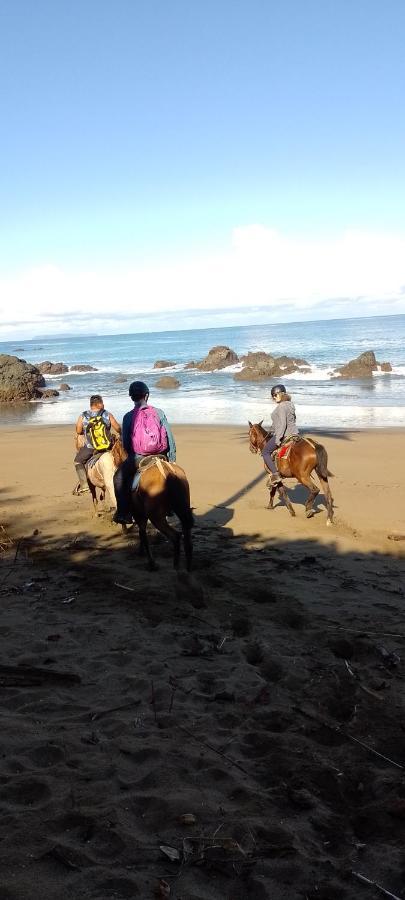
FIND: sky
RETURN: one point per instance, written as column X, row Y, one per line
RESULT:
column 173, row 162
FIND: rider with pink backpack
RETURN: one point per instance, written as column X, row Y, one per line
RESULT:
column 145, row 432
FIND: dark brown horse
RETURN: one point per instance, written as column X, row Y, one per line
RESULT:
column 303, row 458
column 163, row 489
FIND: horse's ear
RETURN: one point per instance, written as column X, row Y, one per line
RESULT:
column 250, row 425
column 261, row 422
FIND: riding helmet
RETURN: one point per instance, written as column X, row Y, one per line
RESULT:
column 278, row 389
column 138, row 390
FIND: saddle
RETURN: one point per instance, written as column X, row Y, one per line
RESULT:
column 93, row 459
column 283, row 452
column 147, row 463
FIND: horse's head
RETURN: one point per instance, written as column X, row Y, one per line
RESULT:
column 118, row 452
column 257, row 437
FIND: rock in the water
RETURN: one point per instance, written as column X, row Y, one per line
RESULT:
column 64, row 387
column 191, row 365
column 50, row 368
column 167, row 382
column 218, row 358
column 47, row 393
column 163, row 364
column 259, row 366
column 362, row 367
column 83, row 368
column 120, row 379
column 19, row 380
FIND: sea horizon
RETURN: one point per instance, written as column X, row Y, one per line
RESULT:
column 322, row 401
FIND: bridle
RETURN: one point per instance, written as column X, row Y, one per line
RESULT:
column 255, row 448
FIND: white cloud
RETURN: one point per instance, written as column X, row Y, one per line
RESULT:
column 261, row 267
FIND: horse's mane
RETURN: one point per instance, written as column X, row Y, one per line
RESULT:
column 118, row 452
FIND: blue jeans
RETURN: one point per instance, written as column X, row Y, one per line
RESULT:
column 267, row 450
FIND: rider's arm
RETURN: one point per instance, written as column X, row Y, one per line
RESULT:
column 279, row 422
column 127, row 432
column 170, row 437
column 115, row 424
column 79, row 425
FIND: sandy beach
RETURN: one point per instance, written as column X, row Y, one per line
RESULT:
column 261, row 698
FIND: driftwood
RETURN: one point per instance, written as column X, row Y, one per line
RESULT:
column 30, row 676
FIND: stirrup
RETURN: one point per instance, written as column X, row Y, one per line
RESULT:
column 80, row 490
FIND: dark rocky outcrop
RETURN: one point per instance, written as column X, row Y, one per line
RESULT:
column 163, row 364
column 191, row 365
column 167, row 382
column 47, row 393
column 83, row 368
column 50, row 368
column 19, row 380
column 362, row 366
column 260, row 366
column 64, row 387
column 218, row 358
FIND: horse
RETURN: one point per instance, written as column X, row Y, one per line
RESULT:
column 303, row 457
column 162, row 489
column 101, row 473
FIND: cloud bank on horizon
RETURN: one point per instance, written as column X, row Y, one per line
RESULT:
column 263, row 275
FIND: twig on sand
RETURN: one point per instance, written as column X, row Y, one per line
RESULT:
column 124, row 587
column 337, row 729
column 153, row 701
column 228, row 759
column 376, row 885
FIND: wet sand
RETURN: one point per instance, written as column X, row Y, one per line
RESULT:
column 235, row 696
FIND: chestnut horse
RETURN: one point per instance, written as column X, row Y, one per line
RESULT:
column 304, row 457
column 163, row 489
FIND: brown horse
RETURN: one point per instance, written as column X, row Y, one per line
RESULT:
column 304, row 457
column 163, row 489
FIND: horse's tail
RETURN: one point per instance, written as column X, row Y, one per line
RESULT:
column 179, row 498
column 321, row 467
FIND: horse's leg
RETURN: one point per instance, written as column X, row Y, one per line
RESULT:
column 328, row 497
column 272, row 491
column 188, row 547
column 158, row 519
column 284, row 496
column 93, row 493
column 141, row 520
column 306, row 480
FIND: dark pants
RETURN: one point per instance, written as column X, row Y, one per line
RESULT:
column 83, row 455
column 268, row 448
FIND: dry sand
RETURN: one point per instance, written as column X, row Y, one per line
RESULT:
column 237, row 695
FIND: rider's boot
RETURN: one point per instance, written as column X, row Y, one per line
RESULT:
column 82, row 487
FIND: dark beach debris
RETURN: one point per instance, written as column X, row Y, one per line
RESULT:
column 375, row 884
column 163, row 889
column 396, row 537
column 338, row 730
column 14, row 676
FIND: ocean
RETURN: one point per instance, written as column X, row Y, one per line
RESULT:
column 216, row 398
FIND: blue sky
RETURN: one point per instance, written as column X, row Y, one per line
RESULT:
column 143, row 143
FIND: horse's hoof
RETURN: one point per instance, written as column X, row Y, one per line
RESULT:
column 330, row 522
column 270, row 506
column 292, row 513
column 309, row 513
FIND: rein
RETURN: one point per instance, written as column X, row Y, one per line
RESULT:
column 254, row 448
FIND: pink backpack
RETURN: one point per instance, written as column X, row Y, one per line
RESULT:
column 149, row 436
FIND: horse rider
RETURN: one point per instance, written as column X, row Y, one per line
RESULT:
column 283, row 428
column 93, row 435
column 145, row 432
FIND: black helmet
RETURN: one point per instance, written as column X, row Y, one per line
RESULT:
column 278, row 389
column 138, row 390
